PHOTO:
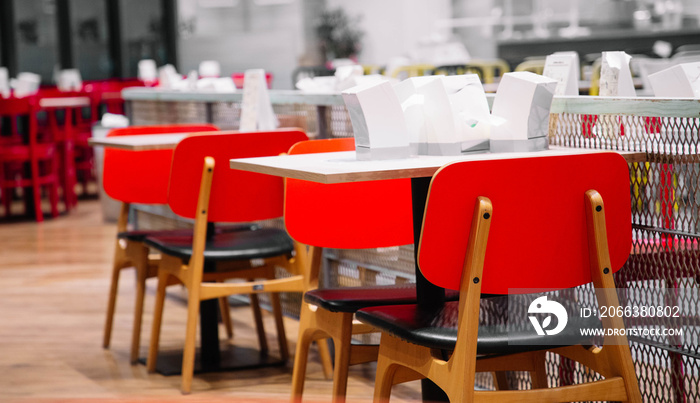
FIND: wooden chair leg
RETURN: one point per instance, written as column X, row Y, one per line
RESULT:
column 279, row 324
column 342, row 357
column 138, row 307
column 188, row 354
column 257, row 316
column 112, row 300
column 301, row 354
column 539, row 375
column 157, row 319
column 500, row 380
column 225, row 311
column 383, row 379
column 324, row 353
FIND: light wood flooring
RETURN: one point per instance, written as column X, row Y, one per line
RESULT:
column 54, row 278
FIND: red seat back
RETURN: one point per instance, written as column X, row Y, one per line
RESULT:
column 236, row 196
column 538, row 235
column 17, row 106
column 347, row 215
column 142, row 176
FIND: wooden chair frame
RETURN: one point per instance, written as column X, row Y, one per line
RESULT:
column 192, row 276
column 127, row 254
column 318, row 324
column 401, row 361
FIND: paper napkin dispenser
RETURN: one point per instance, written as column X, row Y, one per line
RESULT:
column 445, row 115
column 521, row 112
column 4, row 83
column 377, row 121
column 681, row 80
column 615, row 75
column 563, row 67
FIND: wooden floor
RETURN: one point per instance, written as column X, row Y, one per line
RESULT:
column 53, row 292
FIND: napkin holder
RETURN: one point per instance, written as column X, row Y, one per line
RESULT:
column 412, row 105
column 521, row 113
column 615, row 75
column 256, row 109
column 69, row 80
column 147, row 71
column 681, row 80
column 445, row 115
column 209, row 69
column 26, row 84
column 563, row 67
column 377, row 121
column 4, row 83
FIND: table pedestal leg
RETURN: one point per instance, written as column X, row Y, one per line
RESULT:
column 429, row 296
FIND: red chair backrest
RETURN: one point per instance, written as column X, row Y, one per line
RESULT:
column 238, row 79
column 236, row 196
column 12, row 108
column 355, row 215
column 142, row 176
column 538, row 235
column 17, row 106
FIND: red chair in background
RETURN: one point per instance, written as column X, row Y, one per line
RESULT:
column 68, row 123
column 238, row 79
column 26, row 162
column 137, row 177
column 521, row 225
column 110, row 93
column 208, row 194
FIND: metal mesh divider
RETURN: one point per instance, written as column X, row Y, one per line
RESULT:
column 665, row 197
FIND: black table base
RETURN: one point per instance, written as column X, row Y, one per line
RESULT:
column 232, row 358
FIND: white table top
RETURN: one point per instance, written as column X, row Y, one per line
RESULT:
column 342, row 167
column 64, row 102
column 140, row 142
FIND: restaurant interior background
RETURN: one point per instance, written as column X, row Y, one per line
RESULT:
column 107, row 38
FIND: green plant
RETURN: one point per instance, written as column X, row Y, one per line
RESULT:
column 338, row 34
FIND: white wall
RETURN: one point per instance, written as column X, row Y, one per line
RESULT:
column 242, row 37
column 393, row 27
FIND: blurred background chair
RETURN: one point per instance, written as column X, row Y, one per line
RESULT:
column 533, row 65
column 27, row 162
column 412, row 70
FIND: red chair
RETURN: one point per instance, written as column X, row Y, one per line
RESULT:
column 137, row 177
column 224, row 195
column 70, row 127
column 26, row 162
column 531, row 223
column 346, row 216
column 110, row 97
column 238, row 79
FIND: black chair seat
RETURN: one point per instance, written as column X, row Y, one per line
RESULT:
column 439, row 330
column 352, row 299
column 236, row 245
column 140, row 235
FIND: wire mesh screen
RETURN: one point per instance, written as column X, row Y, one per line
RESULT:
column 225, row 115
column 158, row 112
column 338, row 121
column 665, row 197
